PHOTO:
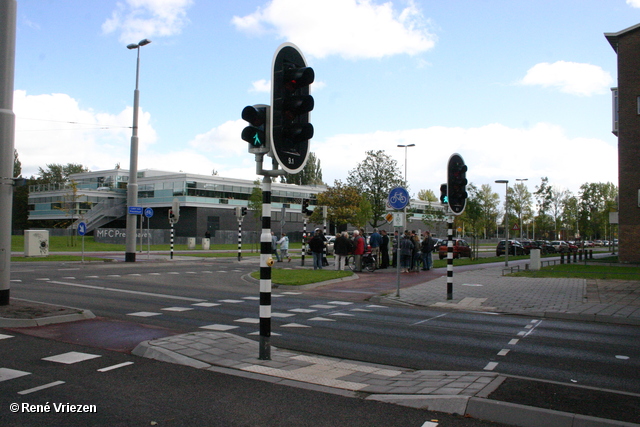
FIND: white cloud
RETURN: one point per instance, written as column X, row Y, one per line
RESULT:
column 353, row 29
column 634, row 3
column 261, row 86
column 491, row 152
column 570, row 77
column 138, row 19
column 53, row 128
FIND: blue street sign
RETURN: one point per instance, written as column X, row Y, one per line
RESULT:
column 82, row 229
column 148, row 212
column 135, row 210
column 398, row 198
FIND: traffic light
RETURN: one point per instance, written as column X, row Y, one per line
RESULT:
column 174, row 212
column 443, row 194
column 305, row 207
column 291, row 104
column 243, row 211
column 256, row 133
column 456, row 184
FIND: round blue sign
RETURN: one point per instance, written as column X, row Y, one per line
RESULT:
column 148, row 212
column 398, row 198
column 82, row 229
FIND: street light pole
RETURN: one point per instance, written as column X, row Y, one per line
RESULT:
column 405, row 159
column 506, row 220
column 132, row 185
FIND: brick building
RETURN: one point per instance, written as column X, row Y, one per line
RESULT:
column 626, row 125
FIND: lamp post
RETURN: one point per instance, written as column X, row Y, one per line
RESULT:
column 132, row 185
column 520, row 213
column 405, row 159
column 506, row 220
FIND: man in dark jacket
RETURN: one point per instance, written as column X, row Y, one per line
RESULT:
column 384, row 250
column 316, row 244
column 341, row 249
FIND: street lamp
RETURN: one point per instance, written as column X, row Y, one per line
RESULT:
column 405, row 159
column 506, row 220
column 132, row 185
column 520, row 213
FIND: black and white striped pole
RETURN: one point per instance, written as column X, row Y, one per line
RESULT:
column 265, row 272
column 450, row 258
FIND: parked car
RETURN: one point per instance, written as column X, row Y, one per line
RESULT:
column 515, row 248
column 438, row 243
column 563, row 247
column 530, row 244
column 460, row 249
column 546, row 247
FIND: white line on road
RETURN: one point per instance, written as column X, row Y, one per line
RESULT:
column 491, row 366
column 127, row 291
column 42, row 387
column 112, row 367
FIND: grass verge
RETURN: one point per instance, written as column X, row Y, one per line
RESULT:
column 299, row 277
column 584, row 272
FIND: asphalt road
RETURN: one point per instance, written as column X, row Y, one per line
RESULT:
column 186, row 296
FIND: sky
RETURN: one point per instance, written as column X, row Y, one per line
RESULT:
column 519, row 88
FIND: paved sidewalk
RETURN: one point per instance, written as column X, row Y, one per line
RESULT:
column 614, row 301
column 463, row 393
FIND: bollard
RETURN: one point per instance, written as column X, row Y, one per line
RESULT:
column 580, row 255
column 568, row 257
column 590, row 253
column 561, row 257
column 575, row 256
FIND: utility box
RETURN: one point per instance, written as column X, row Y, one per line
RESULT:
column 36, row 243
column 191, row 242
column 535, row 260
column 206, row 244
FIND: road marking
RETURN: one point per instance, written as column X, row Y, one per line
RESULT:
column 248, row 320
column 491, row 366
column 323, row 306
column 126, row 291
column 71, row 357
column 144, row 314
column 206, row 304
column 503, row 352
column 622, row 357
column 322, row 319
column 429, row 424
column 218, row 327
column 4, row 337
column 294, row 325
column 302, row 310
column 179, row 309
column 274, row 314
column 232, row 301
column 69, row 278
column 340, row 302
column 429, row 319
column 342, row 314
column 9, row 374
column 112, row 367
column 42, row 387
column 514, row 341
column 252, row 298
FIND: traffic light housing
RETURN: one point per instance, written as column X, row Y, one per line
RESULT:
column 305, row 207
column 243, row 211
column 256, row 133
column 443, row 194
column 457, row 184
column 174, row 212
column 290, row 106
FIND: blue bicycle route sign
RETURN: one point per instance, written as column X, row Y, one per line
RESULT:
column 398, row 198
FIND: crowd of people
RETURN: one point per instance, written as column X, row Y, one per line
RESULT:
column 415, row 253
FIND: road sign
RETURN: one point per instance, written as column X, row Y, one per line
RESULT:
column 398, row 198
column 515, row 227
column 135, row 210
column 82, row 229
column 148, row 212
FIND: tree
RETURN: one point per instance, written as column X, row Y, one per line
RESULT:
column 255, row 203
column 473, row 214
column 375, row 176
column 596, row 201
column 488, row 202
column 59, row 174
column 520, row 202
column 20, row 211
column 427, row 196
column 544, row 197
column 343, row 203
column 311, row 174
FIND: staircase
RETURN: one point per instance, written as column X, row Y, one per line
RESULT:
column 102, row 213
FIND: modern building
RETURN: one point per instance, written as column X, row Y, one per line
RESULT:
column 626, row 126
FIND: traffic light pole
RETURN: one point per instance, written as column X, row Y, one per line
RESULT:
column 264, row 352
column 240, row 239
column 450, row 258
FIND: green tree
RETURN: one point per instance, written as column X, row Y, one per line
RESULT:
column 488, row 202
column 473, row 215
column 375, row 176
column 20, row 212
column 427, row 196
column 596, row 201
column 544, row 220
column 255, row 205
column 520, row 202
column 311, row 174
column 59, row 174
column 343, row 205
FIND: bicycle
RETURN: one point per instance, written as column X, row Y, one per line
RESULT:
column 369, row 262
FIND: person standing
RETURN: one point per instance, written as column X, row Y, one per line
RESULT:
column 427, row 249
column 384, row 250
column 415, row 257
column 406, row 252
column 284, row 247
column 274, row 246
column 316, row 244
column 394, row 253
column 375, row 240
column 341, row 250
column 359, row 243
